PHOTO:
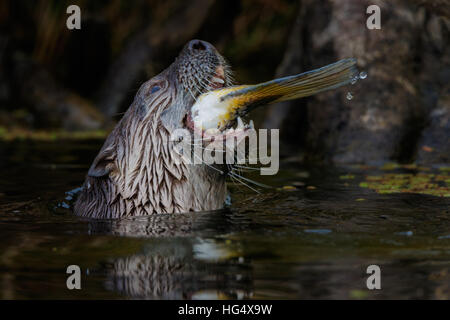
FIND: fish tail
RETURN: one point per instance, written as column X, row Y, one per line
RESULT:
column 302, row 85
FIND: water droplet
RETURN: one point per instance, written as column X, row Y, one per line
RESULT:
column 363, row 75
column 349, row 96
column 354, row 79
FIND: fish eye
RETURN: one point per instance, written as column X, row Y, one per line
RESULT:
column 154, row 89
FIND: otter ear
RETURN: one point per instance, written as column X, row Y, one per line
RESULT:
column 103, row 163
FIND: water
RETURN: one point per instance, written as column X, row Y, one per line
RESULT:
column 312, row 241
column 349, row 96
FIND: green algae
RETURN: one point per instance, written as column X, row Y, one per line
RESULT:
column 435, row 184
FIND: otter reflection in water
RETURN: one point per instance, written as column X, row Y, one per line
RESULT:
column 181, row 260
column 137, row 173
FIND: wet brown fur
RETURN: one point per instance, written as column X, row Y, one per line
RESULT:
column 135, row 172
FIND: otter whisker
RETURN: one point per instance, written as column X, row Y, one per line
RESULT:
column 229, row 77
column 199, row 82
column 251, row 181
column 239, row 170
column 193, row 96
column 233, row 179
column 209, row 83
column 212, row 167
column 246, row 168
column 232, row 174
column 202, row 84
column 196, row 88
column 204, row 148
column 206, row 87
column 235, row 182
column 208, row 149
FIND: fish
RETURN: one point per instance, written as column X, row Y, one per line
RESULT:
column 219, row 108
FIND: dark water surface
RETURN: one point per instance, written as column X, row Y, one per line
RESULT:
column 301, row 243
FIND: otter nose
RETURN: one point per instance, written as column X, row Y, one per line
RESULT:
column 199, row 45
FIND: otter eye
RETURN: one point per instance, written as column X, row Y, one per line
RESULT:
column 154, row 89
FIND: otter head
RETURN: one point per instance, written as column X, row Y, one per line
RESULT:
column 199, row 68
column 135, row 172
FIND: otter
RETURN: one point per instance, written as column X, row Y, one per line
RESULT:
column 135, row 173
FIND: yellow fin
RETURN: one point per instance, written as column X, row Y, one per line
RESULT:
column 297, row 86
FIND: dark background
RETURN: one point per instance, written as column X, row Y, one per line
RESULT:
column 56, row 82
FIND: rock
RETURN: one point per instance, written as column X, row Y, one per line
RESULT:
column 406, row 65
